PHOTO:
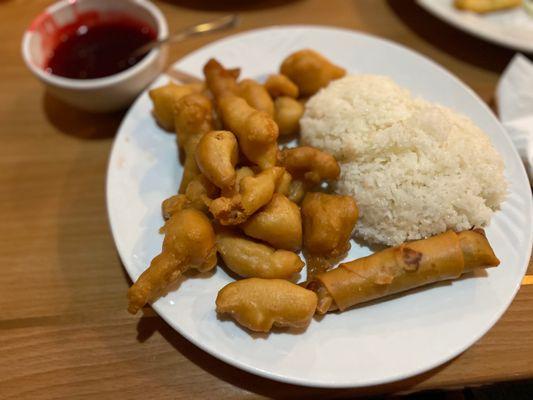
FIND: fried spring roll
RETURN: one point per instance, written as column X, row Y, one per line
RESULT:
column 397, row 269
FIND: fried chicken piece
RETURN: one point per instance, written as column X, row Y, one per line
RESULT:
column 284, row 184
column 278, row 223
column 190, row 170
column 297, row 191
column 219, row 80
column 198, row 195
column 248, row 258
column 217, row 154
column 241, row 173
column 173, row 204
column 328, row 222
column 254, row 193
column 309, row 164
column 200, row 192
column 163, row 100
column 279, row 85
column 193, row 118
column 256, row 96
column 256, row 131
column 259, row 304
column 308, row 167
column 287, row 114
column 310, row 71
column 189, row 243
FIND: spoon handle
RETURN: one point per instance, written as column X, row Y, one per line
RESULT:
column 218, row 24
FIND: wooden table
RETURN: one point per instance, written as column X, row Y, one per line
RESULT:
column 64, row 331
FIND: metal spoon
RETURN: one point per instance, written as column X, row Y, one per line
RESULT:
column 218, row 24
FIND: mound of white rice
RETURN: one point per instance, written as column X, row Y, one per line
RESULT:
column 415, row 168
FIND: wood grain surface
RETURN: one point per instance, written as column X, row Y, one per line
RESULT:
column 64, row 329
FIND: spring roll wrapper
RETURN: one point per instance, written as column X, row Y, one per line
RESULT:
column 407, row 266
column 476, row 250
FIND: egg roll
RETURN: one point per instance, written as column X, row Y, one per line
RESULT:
column 404, row 267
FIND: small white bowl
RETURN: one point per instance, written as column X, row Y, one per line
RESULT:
column 109, row 93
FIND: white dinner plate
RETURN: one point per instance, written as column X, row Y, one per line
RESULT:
column 367, row 345
column 512, row 28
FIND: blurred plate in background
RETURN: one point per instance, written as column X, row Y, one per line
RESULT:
column 511, row 28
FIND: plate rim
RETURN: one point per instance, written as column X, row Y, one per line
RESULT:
column 280, row 377
column 483, row 35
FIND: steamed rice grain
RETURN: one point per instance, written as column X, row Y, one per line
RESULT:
column 415, row 168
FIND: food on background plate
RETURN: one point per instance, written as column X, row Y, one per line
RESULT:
column 484, row 6
column 416, row 168
column 189, row 243
column 328, row 223
column 251, row 259
column 397, row 269
column 259, row 304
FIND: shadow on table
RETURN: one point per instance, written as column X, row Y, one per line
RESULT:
column 81, row 124
column 450, row 39
column 229, row 5
column 151, row 323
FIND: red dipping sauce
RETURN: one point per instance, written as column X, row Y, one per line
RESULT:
column 95, row 47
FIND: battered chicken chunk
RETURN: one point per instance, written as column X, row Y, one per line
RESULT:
column 163, row 100
column 278, row 223
column 189, row 243
column 259, row 304
column 310, row 71
column 328, row 222
column 248, row 258
column 193, row 118
column 279, row 85
column 254, row 193
column 217, row 154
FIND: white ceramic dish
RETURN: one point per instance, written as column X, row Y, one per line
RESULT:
column 103, row 94
column 368, row 345
column 512, row 28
